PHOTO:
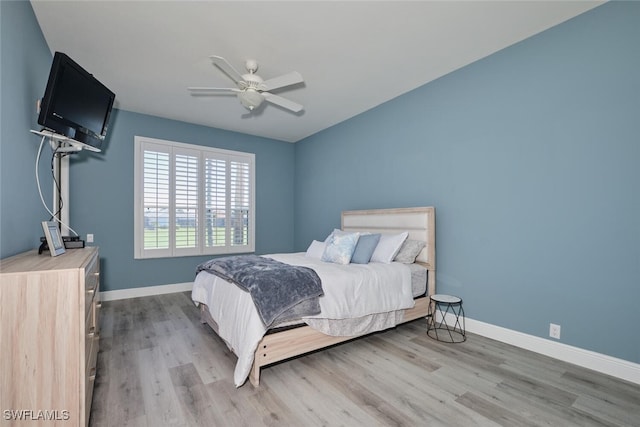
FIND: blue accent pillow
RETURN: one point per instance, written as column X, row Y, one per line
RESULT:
column 340, row 247
column 364, row 249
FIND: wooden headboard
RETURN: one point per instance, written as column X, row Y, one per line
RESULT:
column 419, row 222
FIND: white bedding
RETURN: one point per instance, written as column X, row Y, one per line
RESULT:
column 350, row 291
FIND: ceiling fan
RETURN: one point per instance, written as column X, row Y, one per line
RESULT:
column 251, row 89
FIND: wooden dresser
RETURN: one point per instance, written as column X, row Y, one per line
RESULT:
column 49, row 336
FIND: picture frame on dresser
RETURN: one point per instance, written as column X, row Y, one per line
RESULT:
column 54, row 240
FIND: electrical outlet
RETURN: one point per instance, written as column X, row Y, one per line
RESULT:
column 554, row 331
column 89, row 238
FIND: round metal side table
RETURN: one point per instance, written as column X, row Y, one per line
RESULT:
column 448, row 310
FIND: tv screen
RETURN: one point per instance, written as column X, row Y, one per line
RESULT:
column 75, row 104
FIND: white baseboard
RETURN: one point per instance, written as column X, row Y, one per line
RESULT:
column 599, row 362
column 145, row 291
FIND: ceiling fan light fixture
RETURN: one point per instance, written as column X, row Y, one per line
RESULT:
column 250, row 99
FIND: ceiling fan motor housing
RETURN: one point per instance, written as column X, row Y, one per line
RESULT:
column 253, row 81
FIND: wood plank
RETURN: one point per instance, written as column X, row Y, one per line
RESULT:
column 491, row 411
column 159, row 397
column 230, row 407
column 301, row 387
column 376, row 406
column 271, row 410
column 124, row 389
column 198, row 406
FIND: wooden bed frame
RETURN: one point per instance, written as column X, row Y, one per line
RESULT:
column 419, row 222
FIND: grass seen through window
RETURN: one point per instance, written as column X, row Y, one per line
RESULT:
column 158, row 238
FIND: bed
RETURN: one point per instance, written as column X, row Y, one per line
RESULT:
column 230, row 311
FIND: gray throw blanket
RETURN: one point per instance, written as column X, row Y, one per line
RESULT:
column 280, row 291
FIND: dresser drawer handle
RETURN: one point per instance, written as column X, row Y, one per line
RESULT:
column 92, row 332
column 92, row 374
column 99, row 305
column 91, row 290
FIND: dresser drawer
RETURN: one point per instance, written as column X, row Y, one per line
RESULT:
column 92, row 356
column 92, row 334
column 91, row 284
column 90, row 378
column 91, row 339
column 97, row 305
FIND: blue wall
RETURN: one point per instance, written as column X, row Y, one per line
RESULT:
column 101, row 187
column 531, row 158
column 25, row 60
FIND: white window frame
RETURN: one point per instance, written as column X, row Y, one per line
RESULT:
column 201, row 152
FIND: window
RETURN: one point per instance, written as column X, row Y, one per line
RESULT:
column 192, row 200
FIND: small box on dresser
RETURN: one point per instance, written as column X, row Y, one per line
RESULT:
column 49, row 337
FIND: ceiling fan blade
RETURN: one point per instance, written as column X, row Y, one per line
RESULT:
column 228, row 69
column 282, row 102
column 212, row 89
column 282, row 81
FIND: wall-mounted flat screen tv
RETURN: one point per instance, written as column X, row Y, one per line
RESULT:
column 75, row 104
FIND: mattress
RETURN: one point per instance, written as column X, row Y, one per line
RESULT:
column 418, row 288
column 418, row 279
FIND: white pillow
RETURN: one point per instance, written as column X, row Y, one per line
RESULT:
column 315, row 250
column 388, row 247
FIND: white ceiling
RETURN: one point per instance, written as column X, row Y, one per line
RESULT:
column 353, row 55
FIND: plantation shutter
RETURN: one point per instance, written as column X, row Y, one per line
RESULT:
column 239, row 198
column 215, row 202
column 156, row 176
column 185, row 193
column 195, row 200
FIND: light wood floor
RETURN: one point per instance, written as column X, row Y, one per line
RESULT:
column 158, row 366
